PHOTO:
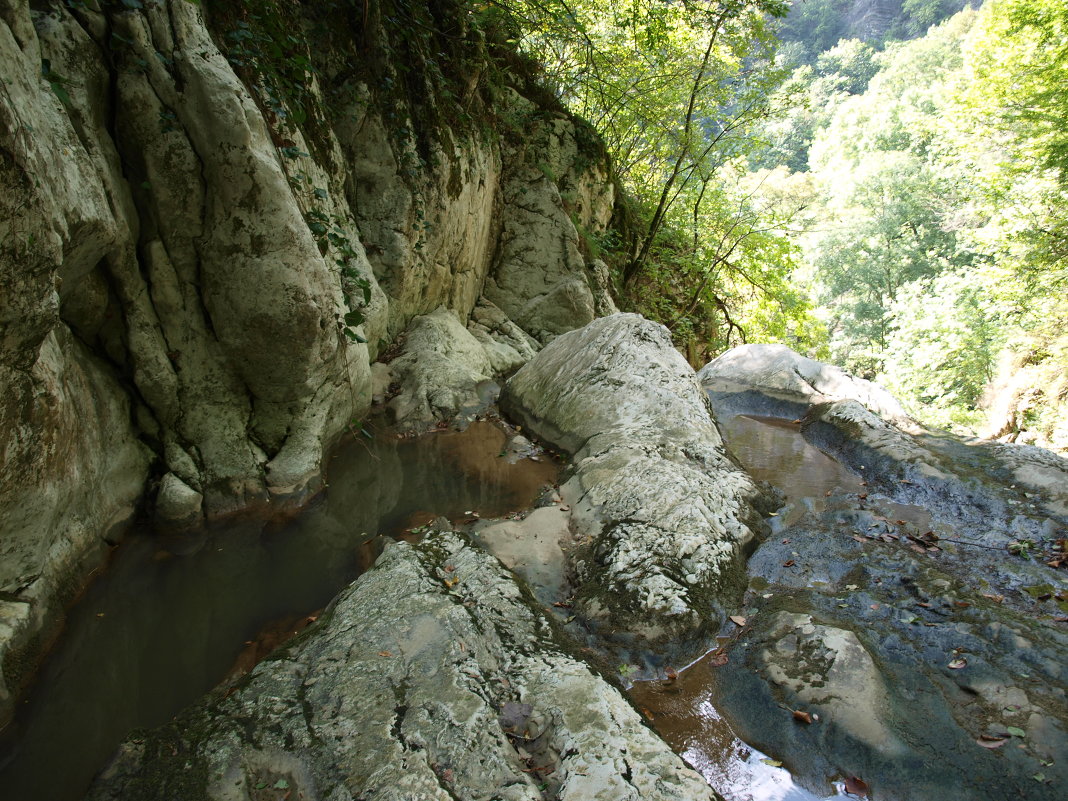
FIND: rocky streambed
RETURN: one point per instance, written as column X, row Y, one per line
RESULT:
column 867, row 603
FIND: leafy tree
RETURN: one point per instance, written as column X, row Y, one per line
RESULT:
column 676, row 90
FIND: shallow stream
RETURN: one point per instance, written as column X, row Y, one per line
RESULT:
column 682, row 710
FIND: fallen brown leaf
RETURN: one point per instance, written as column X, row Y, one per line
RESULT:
column 738, row 620
column 855, row 785
column 802, row 716
column 789, row 563
column 717, row 659
column 384, row 653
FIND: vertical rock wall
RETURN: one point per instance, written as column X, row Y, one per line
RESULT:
column 202, row 249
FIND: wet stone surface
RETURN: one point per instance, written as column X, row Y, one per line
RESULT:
column 929, row 667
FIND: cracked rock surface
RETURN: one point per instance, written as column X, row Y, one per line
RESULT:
column 662, row 515
column 431, row 677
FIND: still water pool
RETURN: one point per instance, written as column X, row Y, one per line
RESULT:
column 171, row 617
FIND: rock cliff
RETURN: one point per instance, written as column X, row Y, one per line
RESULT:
column 214, row 217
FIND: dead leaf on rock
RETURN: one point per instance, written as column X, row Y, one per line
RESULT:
column 789, row 563
column 385, row 653
column 802, row 716
column 717, row 659
column 990, row 741
column 738, row 620
column 856, row 786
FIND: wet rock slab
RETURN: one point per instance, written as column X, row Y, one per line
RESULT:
column 431, row 677
column 912, row 616
column 917, row 680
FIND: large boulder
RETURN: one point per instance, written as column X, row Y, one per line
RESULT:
column 662, row 516
column 431, row 677
column 778, row 371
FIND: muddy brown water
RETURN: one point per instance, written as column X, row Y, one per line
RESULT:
column 171, row 617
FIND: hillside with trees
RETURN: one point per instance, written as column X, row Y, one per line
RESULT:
column 879, row 183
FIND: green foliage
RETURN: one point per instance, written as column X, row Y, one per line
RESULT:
column 938, row 250
column 55, row 82
column 331, row 234
column 1017, row 73
column 676, row 90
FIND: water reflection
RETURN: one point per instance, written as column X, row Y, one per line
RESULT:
column 681, row 711
column 773, row 450
column 683, row 714
column 170, row 617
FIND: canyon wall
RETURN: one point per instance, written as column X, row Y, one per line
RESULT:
column 214, row 218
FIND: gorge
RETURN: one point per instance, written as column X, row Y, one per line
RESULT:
column 251, row 252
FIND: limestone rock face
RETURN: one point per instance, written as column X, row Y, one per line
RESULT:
column 540, row 279
column 776, row 369
column 431, row 677
column 661, row 511
column 199, row 267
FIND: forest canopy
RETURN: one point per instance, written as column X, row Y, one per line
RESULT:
column 886, row 190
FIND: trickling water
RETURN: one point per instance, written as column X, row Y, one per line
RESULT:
column 682, row 710
column 683, row 714
column 171, row 616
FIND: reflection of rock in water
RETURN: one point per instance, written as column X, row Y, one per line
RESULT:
column 682, row 712
column 153, row 634
column 772, row 450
